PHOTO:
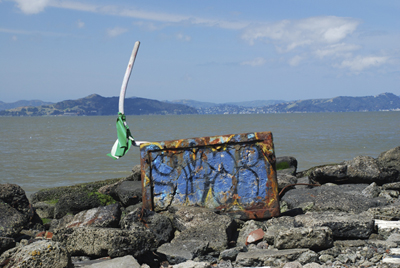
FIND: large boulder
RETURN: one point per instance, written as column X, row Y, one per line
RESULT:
column 183, row 250
column 73, row 203
column 104, row 216
column 343, row 225
column 159, row 224
column 346, row 198
column 389, row 163
column 129, row 192
column 361, row 169
column 41, row 253
column 15, row 210
column 101, row 242
column 55, row 193
column 195, row 223
column 286, row 165
column 315, row 238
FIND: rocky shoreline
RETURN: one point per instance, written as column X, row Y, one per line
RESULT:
column 340, row 215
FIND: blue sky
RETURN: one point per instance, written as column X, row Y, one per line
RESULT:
column 217, row 51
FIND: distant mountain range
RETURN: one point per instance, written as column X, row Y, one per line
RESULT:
column 98, row 105
column 202, row 105
column 22, row 103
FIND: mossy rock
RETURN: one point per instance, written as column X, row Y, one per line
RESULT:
column 51, row 194
column 282, row 165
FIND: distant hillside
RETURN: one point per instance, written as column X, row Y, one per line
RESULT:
column 204, row 105
column 194, row 104
column 381, row 102
column 98, row 105
column 256, row 103
column 12, row 105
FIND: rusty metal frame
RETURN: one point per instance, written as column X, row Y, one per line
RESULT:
column 232, row 174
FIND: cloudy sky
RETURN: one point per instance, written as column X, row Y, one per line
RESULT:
column 217, row 51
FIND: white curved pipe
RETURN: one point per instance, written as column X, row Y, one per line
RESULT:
column 126, row 77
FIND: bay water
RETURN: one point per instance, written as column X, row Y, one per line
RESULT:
column 42, row 152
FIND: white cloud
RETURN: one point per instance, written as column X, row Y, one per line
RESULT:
column 183, row 37
column 290, row 34
column 148, row 15
column 14, row 38
column 255, row 62
column 149, row 26
column 360, row 63
column 80, row 24
column 116, row 31
column 341, row 49
column 32, row 6
column 295, row 60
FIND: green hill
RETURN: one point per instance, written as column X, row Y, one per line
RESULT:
column 98, row 105
column 381, row 102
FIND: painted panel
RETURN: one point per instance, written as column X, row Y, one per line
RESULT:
column 232, row 174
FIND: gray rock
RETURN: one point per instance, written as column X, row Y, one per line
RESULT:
column 193, row 264
column 75, row 202
column 391, row 186
column 38, row 254
column 286, row 165
column 389, row 163
column 53, row 194
column 349, row 243
column 293, row 264
column 394, row 238
column 106, row 217
column 44, row 209
column 343, row 225
column 11, row 221
column 100, row 242
column 14, row 195
column 230, row 254
column 363, row 169
column 347, row 198
column 390, row 212
column 382, row 244
column 314, row 238
column 15, row 210
column 60, row 223
column 129, row 192
column 275, row 225
column 285, row 180
column 246, row 229
column 270, row 257
column 6, row 243
column 371, row 190
column 184, row 250
column 121, row 262
column 202, row 224
column 159, row 224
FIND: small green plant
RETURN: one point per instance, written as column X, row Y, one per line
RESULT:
column 104, row 199
column 282, row 165
column 51, row 202
column 46, row 220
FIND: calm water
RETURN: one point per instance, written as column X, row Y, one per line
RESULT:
column 41, row 152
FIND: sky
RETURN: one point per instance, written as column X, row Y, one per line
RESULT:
column 214, row 51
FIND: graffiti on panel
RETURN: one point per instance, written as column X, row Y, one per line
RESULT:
column 230, row 174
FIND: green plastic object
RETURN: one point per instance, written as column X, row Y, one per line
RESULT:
column 124, row 141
